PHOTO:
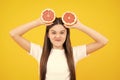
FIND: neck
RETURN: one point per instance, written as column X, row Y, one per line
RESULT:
column 57, row 47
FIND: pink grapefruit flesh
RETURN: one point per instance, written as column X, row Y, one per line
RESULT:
column 69, row 18
column 48, row 16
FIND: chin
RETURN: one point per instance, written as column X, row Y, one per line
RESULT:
column 58, row 46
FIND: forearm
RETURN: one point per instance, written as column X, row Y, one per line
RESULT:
column 92, row 33
column 20, row 30
column 17, row 33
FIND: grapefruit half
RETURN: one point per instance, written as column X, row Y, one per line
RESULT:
column 69, row 18
column 48, row 15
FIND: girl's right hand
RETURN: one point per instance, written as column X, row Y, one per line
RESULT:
column 44, row 23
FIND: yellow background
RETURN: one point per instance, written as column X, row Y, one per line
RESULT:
column 101, row 15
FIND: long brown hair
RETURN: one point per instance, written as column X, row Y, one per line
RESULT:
column 47, row 48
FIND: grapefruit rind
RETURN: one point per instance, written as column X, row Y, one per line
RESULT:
column 67, row 22
column 43, row 14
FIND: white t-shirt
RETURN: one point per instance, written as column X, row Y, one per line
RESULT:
column 57, row 68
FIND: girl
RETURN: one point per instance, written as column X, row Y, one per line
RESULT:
column 57, row 58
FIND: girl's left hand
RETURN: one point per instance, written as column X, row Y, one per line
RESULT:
column 76, row 25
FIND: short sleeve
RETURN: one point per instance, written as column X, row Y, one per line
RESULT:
column 79, row 52
column 35, row 51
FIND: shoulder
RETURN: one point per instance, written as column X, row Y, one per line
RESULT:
column 34, row 46
column 79, row 48
column 35, row 50
column 79, row 52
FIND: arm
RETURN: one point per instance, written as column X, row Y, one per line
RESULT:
column 99, row 39
column 17, row 33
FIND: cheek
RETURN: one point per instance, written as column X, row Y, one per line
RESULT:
column 64, row 37
column 50, row 37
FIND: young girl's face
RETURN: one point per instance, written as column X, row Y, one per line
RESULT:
column 57, row 35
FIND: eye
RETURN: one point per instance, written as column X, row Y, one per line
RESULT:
column 53, row 32
column 62, row 32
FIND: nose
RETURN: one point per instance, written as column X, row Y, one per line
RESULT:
column 57, row 35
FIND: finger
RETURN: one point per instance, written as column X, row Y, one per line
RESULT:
column 47, row 24
column 67, row 26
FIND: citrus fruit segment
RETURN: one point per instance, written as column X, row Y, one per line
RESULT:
column 69, row 18
column 48, row 15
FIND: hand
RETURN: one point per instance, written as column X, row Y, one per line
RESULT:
column 43, row 23
column 76, row 25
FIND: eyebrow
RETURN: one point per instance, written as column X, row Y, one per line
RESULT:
column 54, row 30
